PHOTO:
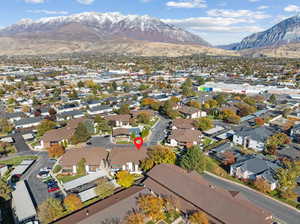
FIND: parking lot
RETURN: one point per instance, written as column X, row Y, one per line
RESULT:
column 37, row 187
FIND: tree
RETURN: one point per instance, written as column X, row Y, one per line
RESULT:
column 198, row 218
column 44, row 126
column 151, row 206
column 230, row 117
column 229, row 158
column 245, row 109
column 124, row 178
column 5, row 190
column 272, row 99
column 72, row 202
column 144, row 117
column 81, row 134
column 81, row 167
column 276, row 140
column 5, row 126
column 262, row 185
column 158, row 154
column 101, row 124
column 134, row 218
column 220, row 98
column 56, row 151
column 200, row 81
column 204, row 123
column 259, row 121
column 124, row 109
column 114, row 85
column 104, row 188
column 194, row 103
column 80, row 84
column 287, row 177
column 73, row 95
column 193, row 159
column 145, row 132
column 50, row 210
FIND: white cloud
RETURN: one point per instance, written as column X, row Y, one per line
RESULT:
column 238, row 13
column 254, row 0
column 34, row 1
column 292, row 8
column 262, row 7
column 48, row 12
column 230, row 29
column 187, row 4
column 85, row 2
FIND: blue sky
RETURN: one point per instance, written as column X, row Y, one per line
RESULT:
column 217, row 21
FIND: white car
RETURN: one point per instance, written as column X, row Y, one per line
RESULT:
column 48, row 169
column 43, row 174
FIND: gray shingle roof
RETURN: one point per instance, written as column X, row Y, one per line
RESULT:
column 259, row 134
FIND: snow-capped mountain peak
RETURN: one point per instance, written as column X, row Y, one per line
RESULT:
column 104, row 26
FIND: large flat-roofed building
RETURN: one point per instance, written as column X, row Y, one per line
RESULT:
column 22, row 205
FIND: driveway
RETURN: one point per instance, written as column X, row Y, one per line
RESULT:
column 284, row 213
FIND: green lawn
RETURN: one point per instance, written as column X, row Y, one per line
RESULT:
column 17, row 160
column 123, row 142
column 64, row 178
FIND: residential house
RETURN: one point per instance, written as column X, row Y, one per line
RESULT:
column 119, row 120
column 295, row 133
column 63, row 135
column 97, row 158
column 191, row 112
column 193, row 193
column 67, row 115
column 180, row 123
column 102, row 109
column 121, row 135
column 14, row 116
column 28, row 122
column 255, row 167
column 184, row 137
column 253, row 138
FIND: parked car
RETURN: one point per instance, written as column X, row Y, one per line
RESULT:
column 43, row 174
column 53, row 189
column 45, row 169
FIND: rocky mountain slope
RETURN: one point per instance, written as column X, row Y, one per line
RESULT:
column 285, row 32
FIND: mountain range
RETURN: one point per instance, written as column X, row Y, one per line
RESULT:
column 137, row 35
column 285, row 32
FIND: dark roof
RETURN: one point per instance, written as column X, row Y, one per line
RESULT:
column 256, row 165
column 259, row 134
column 100, row 108
column 193, row 192
column 115, row 207
column 28, row 120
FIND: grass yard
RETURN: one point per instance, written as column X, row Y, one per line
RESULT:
column 17, row 160
column 67, row 178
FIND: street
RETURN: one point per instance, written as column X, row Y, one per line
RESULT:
column 288, row 215
column 158, row 132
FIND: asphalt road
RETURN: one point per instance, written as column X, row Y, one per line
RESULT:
column 158, row 131
column 156, row 136
column 284, row 213
column 37, row 188
column 20, row 143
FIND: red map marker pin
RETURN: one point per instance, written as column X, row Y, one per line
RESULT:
column 138, row 142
